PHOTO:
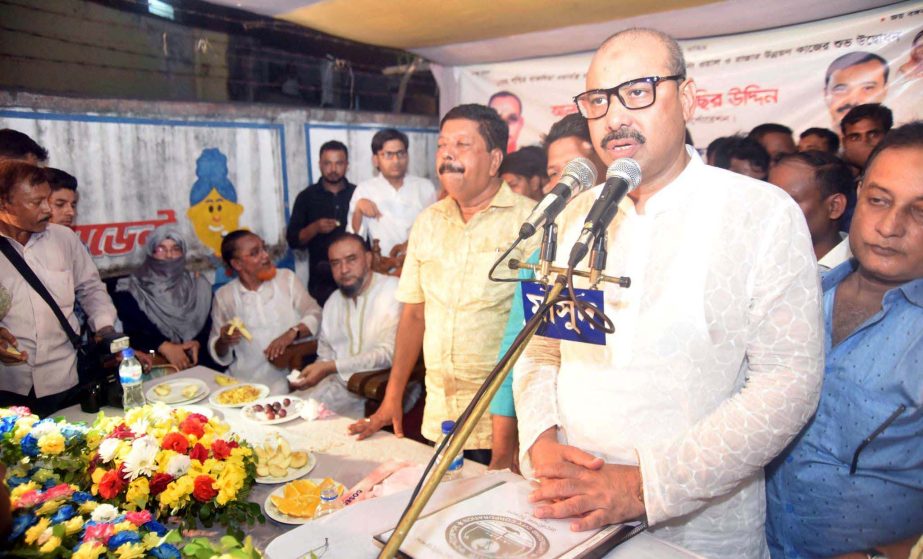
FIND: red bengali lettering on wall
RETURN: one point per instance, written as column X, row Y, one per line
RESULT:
column 115, row 239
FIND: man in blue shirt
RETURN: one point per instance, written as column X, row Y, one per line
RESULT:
column 851, row 484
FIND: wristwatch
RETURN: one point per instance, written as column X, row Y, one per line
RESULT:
column 874, row 553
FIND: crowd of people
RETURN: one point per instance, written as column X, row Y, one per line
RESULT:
column 760, row 395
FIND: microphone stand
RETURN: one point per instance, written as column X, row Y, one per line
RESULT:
column 549, row 249
column 466, row 426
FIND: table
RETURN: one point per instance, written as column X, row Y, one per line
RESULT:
column 347, row 460
column 339, row 455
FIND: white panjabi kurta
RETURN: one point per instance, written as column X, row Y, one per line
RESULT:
column 276, row 306
column 715, row 363
column 359, row 336
column 399, row 208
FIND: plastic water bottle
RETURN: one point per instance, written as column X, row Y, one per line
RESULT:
column 329, row 502
column 455, row 467
column 130, row 377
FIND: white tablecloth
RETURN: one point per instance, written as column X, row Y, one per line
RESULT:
column 343, row 458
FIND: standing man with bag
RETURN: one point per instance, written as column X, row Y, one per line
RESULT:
column 38, row 357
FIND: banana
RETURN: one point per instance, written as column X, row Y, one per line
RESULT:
column 238, row 325
column 225, row 380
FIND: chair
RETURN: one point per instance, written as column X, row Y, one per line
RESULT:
column 371, row 385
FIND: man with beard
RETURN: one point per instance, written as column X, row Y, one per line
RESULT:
column 273, row 307
column 451, row 309
column 715, row 360
column 319, row 214
column 357, row 330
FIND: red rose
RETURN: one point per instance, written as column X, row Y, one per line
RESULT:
column 233, row 444
column 199, row 453
column 221, row 449
column 175, row 441
column 192, row 425
column 198, row 417
column 203, row 490
column 159, row 482
column 111, row 484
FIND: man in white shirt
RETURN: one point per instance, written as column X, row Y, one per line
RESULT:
column 818, row 182
column 716, row 359
column 384, row 207
column 357, row 330
column 270, row 303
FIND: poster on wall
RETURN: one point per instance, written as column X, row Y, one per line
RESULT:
column 206, row 177
column 802, row 76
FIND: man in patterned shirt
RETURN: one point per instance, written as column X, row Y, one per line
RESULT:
column 451, row 309
column 715, row 363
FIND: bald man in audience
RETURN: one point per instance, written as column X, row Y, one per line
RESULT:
column 819, row 183
column 850, row 486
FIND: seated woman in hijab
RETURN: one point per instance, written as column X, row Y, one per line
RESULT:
column 164, row 307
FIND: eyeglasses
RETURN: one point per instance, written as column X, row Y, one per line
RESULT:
column 389, row 155
column 868, row 440
column 633, row 95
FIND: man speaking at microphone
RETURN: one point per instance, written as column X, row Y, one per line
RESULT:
column 716, row 359
column 451, row 308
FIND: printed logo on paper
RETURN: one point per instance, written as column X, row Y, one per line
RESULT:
column 491, row 536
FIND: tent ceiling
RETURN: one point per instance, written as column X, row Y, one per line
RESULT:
column 460, row 32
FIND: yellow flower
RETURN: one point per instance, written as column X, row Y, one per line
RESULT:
column 98, row 474
column 123, row 525
column 52, row 443
column 17, row 491
column 131, row 551
column 138, row 492
column 51, row 545
column 177, row 492
column 33, row 533
column 48, row 507
column 150, row 540
column 87, row 506
column 89, row 550
column 23, row 426
column 74, row 525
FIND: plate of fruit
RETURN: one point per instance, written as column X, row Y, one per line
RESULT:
column 178, row 391
column 296, row 502
column 277, row 462
column 277, row 409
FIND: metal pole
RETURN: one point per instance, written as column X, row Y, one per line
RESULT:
column 463, row 431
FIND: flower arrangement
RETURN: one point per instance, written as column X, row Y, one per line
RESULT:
column 169, row 463
column 173, row 463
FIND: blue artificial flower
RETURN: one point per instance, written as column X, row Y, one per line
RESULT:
column 165, row 551
column 122, row 538
column 155, row 527
column 64, row 514
column 16, row 481
column 49, row 483
column 7, row 423
column 21, row 523
column 81, row 497
column 73, row 433
column 29, row 445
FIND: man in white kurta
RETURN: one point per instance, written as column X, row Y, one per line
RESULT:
column 384, row 207
column 715, row 363
column 357, row 330
column 272, row 304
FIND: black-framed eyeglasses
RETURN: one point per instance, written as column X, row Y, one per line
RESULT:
column 868, row 440
column 634, row 94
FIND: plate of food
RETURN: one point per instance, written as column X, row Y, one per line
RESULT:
column 238, row 395
column 178, row 391
column 296, row 502
column 277, row 462
column 277, row 409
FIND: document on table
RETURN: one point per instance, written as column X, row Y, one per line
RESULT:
column 497, row 523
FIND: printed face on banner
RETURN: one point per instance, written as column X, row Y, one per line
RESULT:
column 509, row 107
column 855, row 85
column 653, row 136
column 886, row 234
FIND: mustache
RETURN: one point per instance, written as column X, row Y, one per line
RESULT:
column 845, row 108
column 451, row 167
column 622, row 134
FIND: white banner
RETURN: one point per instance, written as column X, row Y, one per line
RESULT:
column 801, row 76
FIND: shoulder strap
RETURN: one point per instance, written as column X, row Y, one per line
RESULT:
column 23, row 268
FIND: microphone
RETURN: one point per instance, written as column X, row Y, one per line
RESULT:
column 578, row 175
column 623, row 176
